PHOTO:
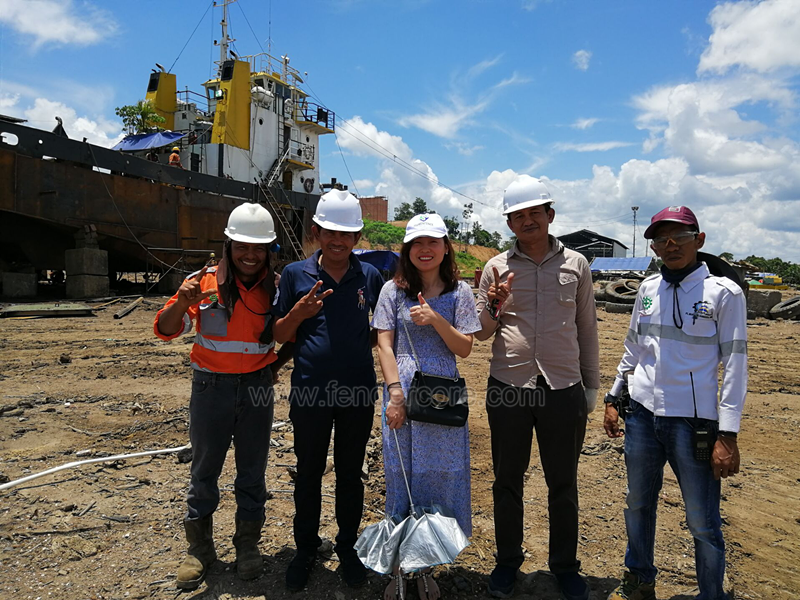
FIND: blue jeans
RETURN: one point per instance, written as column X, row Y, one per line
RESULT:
column 651, row 442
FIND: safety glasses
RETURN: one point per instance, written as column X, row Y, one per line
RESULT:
column 679, row 239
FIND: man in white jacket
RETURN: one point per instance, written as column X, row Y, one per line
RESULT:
column 685, row 323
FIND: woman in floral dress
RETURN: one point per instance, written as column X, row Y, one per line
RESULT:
column 440, row 316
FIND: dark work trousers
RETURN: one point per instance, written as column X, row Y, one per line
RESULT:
column 225, row 407
column 312, row 434
column 559, row 418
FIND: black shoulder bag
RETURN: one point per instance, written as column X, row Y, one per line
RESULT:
column 433, row 398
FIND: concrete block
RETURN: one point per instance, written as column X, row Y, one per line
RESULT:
column 170, row 283
column 87, row 286
column 86, row 261
column 760, row 301
column 19, row 285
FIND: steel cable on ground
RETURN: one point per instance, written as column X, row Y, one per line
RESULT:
column 190, row 37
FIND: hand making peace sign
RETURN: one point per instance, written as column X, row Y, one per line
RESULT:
column 310, row 304
column 190, row 292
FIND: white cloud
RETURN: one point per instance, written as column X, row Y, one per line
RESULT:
column 101, row 132
column 581, row 59
column 8, row 101
column 463, row 149
column 763, row 36
column 447, row 119
column 591, row 147
column 700, row 122
column 531, row 5
column 57, row 21
column 584, row 123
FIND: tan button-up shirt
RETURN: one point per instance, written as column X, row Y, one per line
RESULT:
column 548, row 324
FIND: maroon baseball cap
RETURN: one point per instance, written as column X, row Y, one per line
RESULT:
column 676, row 214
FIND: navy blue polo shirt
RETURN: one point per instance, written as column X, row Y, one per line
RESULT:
column 334, row 345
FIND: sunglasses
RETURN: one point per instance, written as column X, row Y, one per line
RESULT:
column 679, row 239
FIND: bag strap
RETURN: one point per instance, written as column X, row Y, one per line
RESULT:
column 400, row 306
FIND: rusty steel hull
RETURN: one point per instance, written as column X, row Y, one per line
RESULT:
column 137, row 207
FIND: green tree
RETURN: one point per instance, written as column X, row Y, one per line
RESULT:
column 403, row 212
column 420, row 207
column 726, row 256
column 382, row 234
column 139, row 118
column 452, row 227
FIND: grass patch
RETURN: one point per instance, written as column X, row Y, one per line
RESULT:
column 468, row 263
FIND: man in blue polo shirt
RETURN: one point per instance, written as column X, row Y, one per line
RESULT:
column 323, row 304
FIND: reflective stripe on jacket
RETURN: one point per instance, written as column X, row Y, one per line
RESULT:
column 222, row 346
column 676, row 342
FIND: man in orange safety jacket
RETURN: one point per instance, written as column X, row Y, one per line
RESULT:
column 233, row 359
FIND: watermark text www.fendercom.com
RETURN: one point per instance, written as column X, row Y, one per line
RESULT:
column 344, row 396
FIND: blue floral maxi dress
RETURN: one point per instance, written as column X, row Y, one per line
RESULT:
column 436, row 457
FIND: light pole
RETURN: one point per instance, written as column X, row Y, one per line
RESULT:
column 634, row 209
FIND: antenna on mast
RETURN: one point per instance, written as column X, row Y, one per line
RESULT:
column 634, row 209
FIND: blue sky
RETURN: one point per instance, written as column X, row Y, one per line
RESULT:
column 613, row 104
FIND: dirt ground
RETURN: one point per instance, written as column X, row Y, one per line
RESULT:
column 76, row 388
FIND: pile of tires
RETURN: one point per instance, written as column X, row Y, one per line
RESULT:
column 600, row 291
column 621, row 295
column 788, row 309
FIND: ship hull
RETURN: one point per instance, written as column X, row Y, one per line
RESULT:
column 144, row 214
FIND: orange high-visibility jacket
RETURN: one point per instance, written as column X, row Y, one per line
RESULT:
column 222, row 346
column 175, row 160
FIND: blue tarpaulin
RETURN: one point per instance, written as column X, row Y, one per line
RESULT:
column 640, row 263
column 383, row 260
column 144, row 141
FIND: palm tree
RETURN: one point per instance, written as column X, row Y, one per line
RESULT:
column 139, row 118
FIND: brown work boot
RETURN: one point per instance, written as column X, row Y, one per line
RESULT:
column 633, row 588
column 249, row 564
column 200, row 555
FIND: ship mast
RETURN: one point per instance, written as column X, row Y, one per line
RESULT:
column 225, row 40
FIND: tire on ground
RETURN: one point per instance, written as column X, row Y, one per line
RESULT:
column 619, row 292
column 600, row 303
column 788, row 309
column 616, row 307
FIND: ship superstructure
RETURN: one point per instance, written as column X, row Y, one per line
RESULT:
column 252, row 135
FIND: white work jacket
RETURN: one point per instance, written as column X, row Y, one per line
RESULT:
column 676, row 342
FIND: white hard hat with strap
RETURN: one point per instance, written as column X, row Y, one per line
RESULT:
column 251, row 223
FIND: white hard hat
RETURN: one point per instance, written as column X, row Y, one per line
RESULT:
column 339, row 210
column 431, row 225
column 251, row 223
column 525, row 192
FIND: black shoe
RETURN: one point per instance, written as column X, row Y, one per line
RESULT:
column 502, row 580
column 572, row 585
column 298, row 571
column 353, row 570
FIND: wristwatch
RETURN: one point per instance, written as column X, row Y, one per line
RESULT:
column 728, row 434
column 611, row 399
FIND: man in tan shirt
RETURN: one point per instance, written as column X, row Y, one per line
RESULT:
column 538, row 302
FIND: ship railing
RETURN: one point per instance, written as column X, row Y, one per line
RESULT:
column 311, row 112
column 188, row 96
column 301, row 152
column 266, row 63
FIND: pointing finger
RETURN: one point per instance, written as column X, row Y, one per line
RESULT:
column 208, row 293
column 200, row 275
column 324, row 294
column 509, row 280
column 496, row 274
column 421, row 299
